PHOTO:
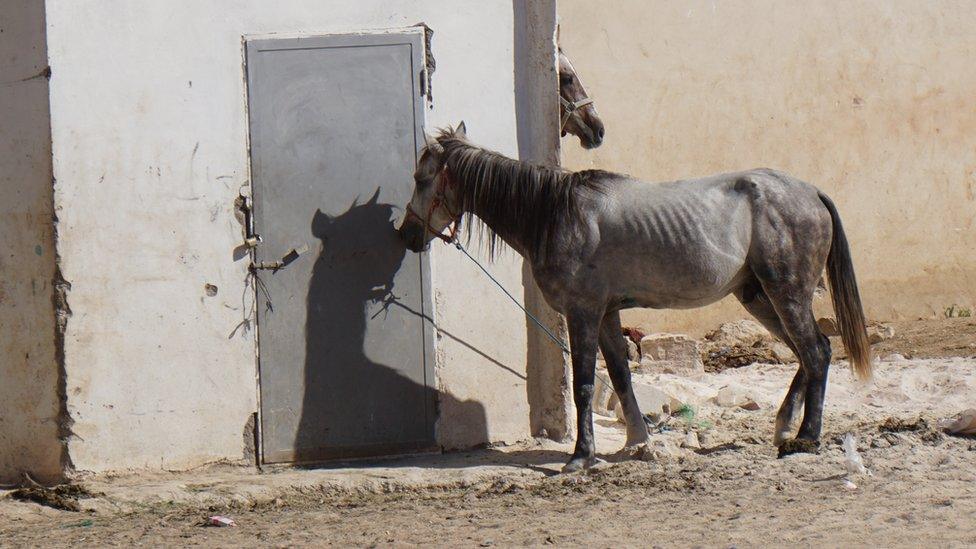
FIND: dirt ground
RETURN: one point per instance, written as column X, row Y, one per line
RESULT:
column 731, row 492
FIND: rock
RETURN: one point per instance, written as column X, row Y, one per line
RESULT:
column 657, row 449
column 880, row 332
column 741, row 332
column 675, row 352
column 651, row 400
column 732, row 396
column 880, row 443
column 602, row 393
column 782, row 352
column 691, row 441
column 741, row 343
column 633, row 351
column 749, row 405
column 828, row 326
column 894, row 357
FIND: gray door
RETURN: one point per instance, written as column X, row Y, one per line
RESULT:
column 336, row 124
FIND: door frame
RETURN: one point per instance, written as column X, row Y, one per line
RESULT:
column 413, row 37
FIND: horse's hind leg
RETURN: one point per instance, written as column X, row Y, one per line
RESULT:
column 757, row 303
column 794, row 307
column 614, row 348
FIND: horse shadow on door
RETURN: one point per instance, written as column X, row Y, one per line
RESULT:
column 355, row 405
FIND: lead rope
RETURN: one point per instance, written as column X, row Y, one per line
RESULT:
column 552, row 336
column 542, row 326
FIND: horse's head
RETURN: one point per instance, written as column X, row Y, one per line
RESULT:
column 576, row 111
column 434, row 205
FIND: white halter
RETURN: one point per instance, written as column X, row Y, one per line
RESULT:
column 570, row 108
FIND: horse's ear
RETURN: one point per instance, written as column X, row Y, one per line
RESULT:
column 462, row 130
column 372, row 201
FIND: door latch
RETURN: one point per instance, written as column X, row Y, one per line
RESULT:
column 288, row 259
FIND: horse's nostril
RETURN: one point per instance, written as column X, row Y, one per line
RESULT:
column 600, row 132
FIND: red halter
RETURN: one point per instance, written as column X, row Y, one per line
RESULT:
column 438, row 201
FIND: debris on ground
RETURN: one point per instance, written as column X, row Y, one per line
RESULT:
column 878, row 332
column 63, row 496
column 964, row 424
column 852, row 460
column 898, row 425
column 634, row 334
column 218, row 520
column 671, row 353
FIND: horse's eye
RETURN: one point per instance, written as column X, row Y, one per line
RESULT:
column 565, row 79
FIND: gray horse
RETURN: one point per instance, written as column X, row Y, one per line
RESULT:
column 599, row 242
column 577, row 114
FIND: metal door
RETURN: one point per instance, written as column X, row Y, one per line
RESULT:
column 345, row 355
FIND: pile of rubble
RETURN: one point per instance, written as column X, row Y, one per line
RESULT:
column 731, row 345
column 741, row 343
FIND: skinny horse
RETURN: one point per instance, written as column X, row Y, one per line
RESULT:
column 599, row 242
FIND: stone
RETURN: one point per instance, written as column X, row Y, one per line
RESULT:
column 671, row 352
column 880, row 332
column 741, row 332
column 749, row 405
column 651, row 400
column 894, row 357
column 691, row 441
column 782, row 352
column 602, row 395
column 732, row 396
column 828, row 326
column 633, row 351
column 657, row 449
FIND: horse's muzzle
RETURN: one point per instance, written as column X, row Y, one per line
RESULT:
column 413, row 237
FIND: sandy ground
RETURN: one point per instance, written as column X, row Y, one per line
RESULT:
column 733, row 492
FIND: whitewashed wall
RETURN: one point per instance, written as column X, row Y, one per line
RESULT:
column 149, row 138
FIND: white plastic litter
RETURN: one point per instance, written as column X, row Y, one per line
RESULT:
column 849, row 485
column 852, row 460
column 962, row 424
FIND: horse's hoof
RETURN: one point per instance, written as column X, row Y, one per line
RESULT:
column 578, row 464
column 635, row 441
column 798, row 446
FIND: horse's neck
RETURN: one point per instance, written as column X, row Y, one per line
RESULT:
column 503, row 228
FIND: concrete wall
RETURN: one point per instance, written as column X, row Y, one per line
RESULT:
column 872, row 101
column 29, row 403
column 150, row 152
column 537, row 114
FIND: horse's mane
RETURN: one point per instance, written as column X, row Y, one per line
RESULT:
column 527, row 199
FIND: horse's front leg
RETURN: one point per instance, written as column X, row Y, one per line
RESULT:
column 584, row 329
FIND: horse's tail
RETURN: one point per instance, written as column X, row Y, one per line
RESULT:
column 847, row 300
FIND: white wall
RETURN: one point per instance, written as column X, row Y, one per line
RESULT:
column 149, row 134
column 29, row 403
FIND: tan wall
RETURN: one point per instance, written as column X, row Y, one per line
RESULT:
column 29, row 403
column 874, row 102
